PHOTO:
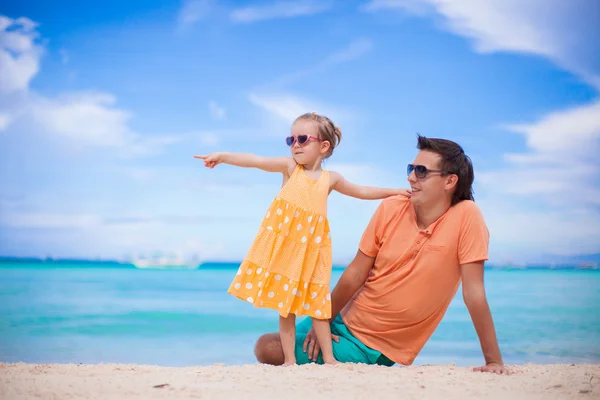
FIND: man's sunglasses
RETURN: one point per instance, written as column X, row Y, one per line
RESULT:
column 421, row 171
column 301, row 139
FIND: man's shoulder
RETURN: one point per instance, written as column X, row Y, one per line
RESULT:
column 469, row 213
column 398, row 200
column 392, row 207
column 467, row 207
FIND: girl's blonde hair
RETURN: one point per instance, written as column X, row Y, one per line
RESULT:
column 327, row 130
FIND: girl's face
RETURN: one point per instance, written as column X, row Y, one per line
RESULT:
column 306, row 146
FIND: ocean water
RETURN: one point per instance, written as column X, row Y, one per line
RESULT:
column 92, row 314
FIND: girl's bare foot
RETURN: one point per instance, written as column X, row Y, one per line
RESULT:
column 287, row 333
column 323, row 331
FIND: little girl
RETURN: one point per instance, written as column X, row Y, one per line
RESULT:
column 288, row 267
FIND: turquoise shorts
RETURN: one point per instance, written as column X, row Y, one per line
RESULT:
column 349, row 349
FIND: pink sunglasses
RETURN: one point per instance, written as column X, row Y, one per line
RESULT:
column 301, row 139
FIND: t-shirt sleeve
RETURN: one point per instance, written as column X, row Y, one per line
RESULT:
column 370, row 242
column 474, row 236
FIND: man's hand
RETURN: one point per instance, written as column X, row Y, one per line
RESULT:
column 494, row 368
column 476, row 302
column 311, row 346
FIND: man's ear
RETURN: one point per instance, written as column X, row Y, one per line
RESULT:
column 451, row 181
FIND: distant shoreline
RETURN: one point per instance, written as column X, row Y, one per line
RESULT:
column 232, row 265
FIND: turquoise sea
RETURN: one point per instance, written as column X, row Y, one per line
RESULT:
column 88, row 313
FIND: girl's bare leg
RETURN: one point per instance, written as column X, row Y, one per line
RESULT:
column 323, row 332
column 287, row 333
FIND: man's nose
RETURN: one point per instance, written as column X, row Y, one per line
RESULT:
column 412, row 178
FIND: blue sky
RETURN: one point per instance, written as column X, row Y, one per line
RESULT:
column 102, row 107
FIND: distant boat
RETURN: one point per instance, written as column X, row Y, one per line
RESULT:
column 165, row 262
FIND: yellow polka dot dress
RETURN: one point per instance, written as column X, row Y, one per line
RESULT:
column 288, row 266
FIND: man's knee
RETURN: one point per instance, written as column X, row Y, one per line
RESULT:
column 268, row 349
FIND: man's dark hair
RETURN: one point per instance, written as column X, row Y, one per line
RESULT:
column 455, row 161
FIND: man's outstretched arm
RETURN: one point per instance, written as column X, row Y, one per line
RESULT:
column 475, row 299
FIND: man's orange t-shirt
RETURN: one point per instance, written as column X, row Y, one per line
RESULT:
column 415, row 276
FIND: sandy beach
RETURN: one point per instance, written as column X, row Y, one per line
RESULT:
column 348, row 381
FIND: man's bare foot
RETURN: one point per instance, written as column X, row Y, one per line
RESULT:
column 289, row 363
column 331, row 362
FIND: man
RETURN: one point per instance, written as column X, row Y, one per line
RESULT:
column 411, row 259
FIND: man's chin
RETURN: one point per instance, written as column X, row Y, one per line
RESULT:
column 415, row 200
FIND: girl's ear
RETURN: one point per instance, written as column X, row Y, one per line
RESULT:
column 325, row 146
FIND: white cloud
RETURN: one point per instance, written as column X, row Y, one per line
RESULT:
column 518, row 234
column 360, row 174
column 280, row 9
column 64, row 56
column 5, row 120
column 561, row 165
column 558, row 174
column 209, row 139
column 280, row 110
column 146, row 146
column 88, row 235
column 193, row 11
column 562, row 30
column 90, row 119
column 42, row 220
column 287, row 107
column 354, row 50
column 140, row 174
column 216, row 111
column 412, row 6
column 19, row 54
column 558, row 177
column 85, row 118
column 5, row 22
column 575, row 131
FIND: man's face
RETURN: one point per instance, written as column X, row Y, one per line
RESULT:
column 431, row 188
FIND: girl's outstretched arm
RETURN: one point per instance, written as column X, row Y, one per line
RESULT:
column 341, row 185
column 247, row 160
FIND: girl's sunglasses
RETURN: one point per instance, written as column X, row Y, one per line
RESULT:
column 301, row 139
column 422, row 171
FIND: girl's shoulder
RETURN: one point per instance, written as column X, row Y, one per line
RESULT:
column 334, row 177
column 292, row 166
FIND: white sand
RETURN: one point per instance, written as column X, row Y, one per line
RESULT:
column 308, row 382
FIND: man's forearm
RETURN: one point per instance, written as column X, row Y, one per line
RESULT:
column 484, row 326
column 343, row 292
column 351, row 280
